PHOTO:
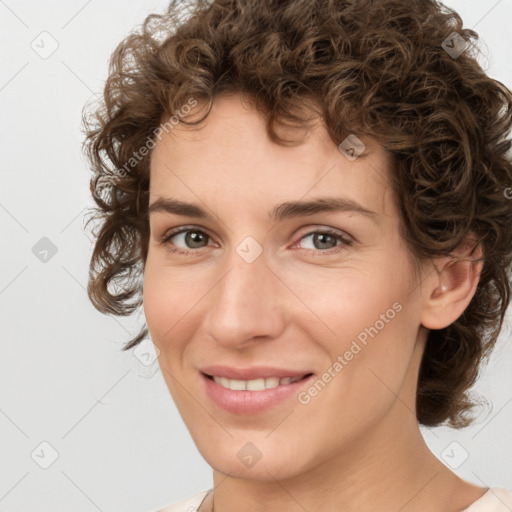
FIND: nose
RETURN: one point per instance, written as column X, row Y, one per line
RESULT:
column 246, row 303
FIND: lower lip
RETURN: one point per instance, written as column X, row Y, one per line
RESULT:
column 251, row 402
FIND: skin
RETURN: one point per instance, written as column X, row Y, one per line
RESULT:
column 356, row 445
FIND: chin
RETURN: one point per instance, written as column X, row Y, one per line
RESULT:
column 259, row 460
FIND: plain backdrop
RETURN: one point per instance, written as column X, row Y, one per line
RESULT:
column 84, row 426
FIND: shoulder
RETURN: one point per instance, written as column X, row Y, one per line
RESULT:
column 188, row 505
column 496, row 499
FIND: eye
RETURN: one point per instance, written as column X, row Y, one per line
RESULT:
column 325, row 240
column 189, row 238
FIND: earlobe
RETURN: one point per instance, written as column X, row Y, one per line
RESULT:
column 449, row 290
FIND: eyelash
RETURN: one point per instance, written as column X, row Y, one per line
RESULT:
column 345, row 242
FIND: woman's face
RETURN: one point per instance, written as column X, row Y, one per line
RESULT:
column 266, row 288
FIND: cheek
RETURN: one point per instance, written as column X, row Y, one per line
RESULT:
column 342, row 305
column 166, row 303
column 156, row 302
column 364, row 379
column 168, row 292
column 365, row 322
column 374, row 355
column 164, row 306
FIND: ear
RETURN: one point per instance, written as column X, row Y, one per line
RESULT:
column 447, row 292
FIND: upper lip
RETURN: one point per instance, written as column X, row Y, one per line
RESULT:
column 257, row 372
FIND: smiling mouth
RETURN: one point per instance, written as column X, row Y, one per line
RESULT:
column 255, row 384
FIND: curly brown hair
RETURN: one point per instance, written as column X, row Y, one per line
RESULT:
column 371, row 67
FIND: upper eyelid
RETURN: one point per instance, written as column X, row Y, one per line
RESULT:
column 183, row 229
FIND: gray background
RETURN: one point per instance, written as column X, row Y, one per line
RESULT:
column 121, row 444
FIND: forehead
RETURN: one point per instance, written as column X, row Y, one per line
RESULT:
column 230, row 158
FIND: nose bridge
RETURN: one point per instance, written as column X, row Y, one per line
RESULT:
column 243, row 304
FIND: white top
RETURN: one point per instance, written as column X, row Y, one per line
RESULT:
column 496, row 499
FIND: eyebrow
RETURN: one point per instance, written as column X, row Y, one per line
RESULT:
column 286, row 210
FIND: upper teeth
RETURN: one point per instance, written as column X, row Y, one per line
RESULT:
column 256, row 384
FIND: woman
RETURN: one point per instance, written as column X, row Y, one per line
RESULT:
column 316, row 196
